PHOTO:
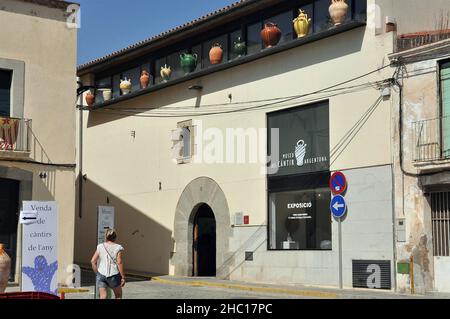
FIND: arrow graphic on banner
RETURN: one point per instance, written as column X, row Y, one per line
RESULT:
column 29, row 218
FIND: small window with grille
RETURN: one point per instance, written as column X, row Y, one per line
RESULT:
column 183, row 142
column 440, row 217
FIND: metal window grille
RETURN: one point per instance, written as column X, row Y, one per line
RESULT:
column 440, row 210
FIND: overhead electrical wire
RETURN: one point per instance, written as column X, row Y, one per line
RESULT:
column 155, row 112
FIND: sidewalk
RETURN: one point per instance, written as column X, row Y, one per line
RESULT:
column 294, row 289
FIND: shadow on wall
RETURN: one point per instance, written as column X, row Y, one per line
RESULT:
column 148, row 245
column 287, row 61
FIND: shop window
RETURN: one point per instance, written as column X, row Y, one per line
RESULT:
column 300, row 220
column 298, row 176
column 254, row 42
column 222, row 41
column 284, row 23
column 235, row 37
column 5, row 93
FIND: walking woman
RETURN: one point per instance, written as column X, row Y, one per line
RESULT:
column 108, row 265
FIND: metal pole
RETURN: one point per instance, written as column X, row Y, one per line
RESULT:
column 341, row 284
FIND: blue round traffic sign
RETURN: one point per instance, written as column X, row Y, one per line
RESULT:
column 338, row 183
column 338, row 206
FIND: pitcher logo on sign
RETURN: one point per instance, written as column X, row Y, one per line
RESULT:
column 300, row 152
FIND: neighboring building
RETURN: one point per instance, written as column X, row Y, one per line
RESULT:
column 422, row 177
column 188, row 206
column 37, row 119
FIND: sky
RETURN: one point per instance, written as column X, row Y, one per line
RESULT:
column 110, row 25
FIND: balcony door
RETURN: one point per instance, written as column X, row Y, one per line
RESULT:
column 445, row 100
column 5, row 93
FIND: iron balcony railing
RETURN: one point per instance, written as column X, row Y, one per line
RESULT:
column 431, row 140
column 15, row 134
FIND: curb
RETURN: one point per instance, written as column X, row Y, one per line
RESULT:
column 304, row 293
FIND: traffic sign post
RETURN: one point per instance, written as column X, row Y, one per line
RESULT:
column 338, row 208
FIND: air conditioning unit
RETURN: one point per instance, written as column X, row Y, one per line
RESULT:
column 177, row 135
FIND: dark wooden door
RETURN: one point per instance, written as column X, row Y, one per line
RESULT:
column 9, row 216
column 204, row 250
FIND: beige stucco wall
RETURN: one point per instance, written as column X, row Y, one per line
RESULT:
column 129, row 170
column 38, row 36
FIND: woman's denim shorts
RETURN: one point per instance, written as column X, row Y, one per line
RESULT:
column 108, row 282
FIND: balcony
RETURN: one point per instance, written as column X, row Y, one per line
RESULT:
column 431, row 142
column 14, row 136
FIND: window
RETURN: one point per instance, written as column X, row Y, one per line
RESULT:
column 300, row 220
column 101, row 84
column 5, row 93
column 254, row 42
column 322, row 19
column 298, row 191
column 284, row 23
column 160, row 63
column 445, row 102
column 234, row 37
column 134, row 75
column 360, row 10
column 116, row 85
column 174, row 61
column 198, row 50
column 183, row 142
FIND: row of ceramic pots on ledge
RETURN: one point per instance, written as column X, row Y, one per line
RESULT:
column 270, row 35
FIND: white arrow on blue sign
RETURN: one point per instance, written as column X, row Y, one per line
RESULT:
column 338, row 206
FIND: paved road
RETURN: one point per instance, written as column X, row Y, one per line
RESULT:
column 155, row 290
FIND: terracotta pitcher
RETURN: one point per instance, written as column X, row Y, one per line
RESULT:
column 90, row 98
column 338, row 11
column 271, row 34
column 145, row 79
column 5, row 269
column 216, row 54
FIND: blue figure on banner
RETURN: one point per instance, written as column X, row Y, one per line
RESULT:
column 42, row 274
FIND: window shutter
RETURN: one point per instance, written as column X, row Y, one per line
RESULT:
column 445, row 98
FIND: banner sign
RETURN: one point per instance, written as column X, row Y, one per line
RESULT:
column 105, row 222
column 304, row 145
column 39, row 248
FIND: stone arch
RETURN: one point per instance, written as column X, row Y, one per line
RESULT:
column 202, row 190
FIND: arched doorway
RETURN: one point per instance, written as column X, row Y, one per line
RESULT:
column 204, row 242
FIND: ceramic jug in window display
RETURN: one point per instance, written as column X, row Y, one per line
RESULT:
column 338, row 11
column 90, row 98
column 188, row 62
column 271, row 34
column 106, row 93
column 166, row 72
column 125, row 86
column 239, row 47
column 302, row 24
column 145, row 79
column 5, row 269
column 216, row 54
